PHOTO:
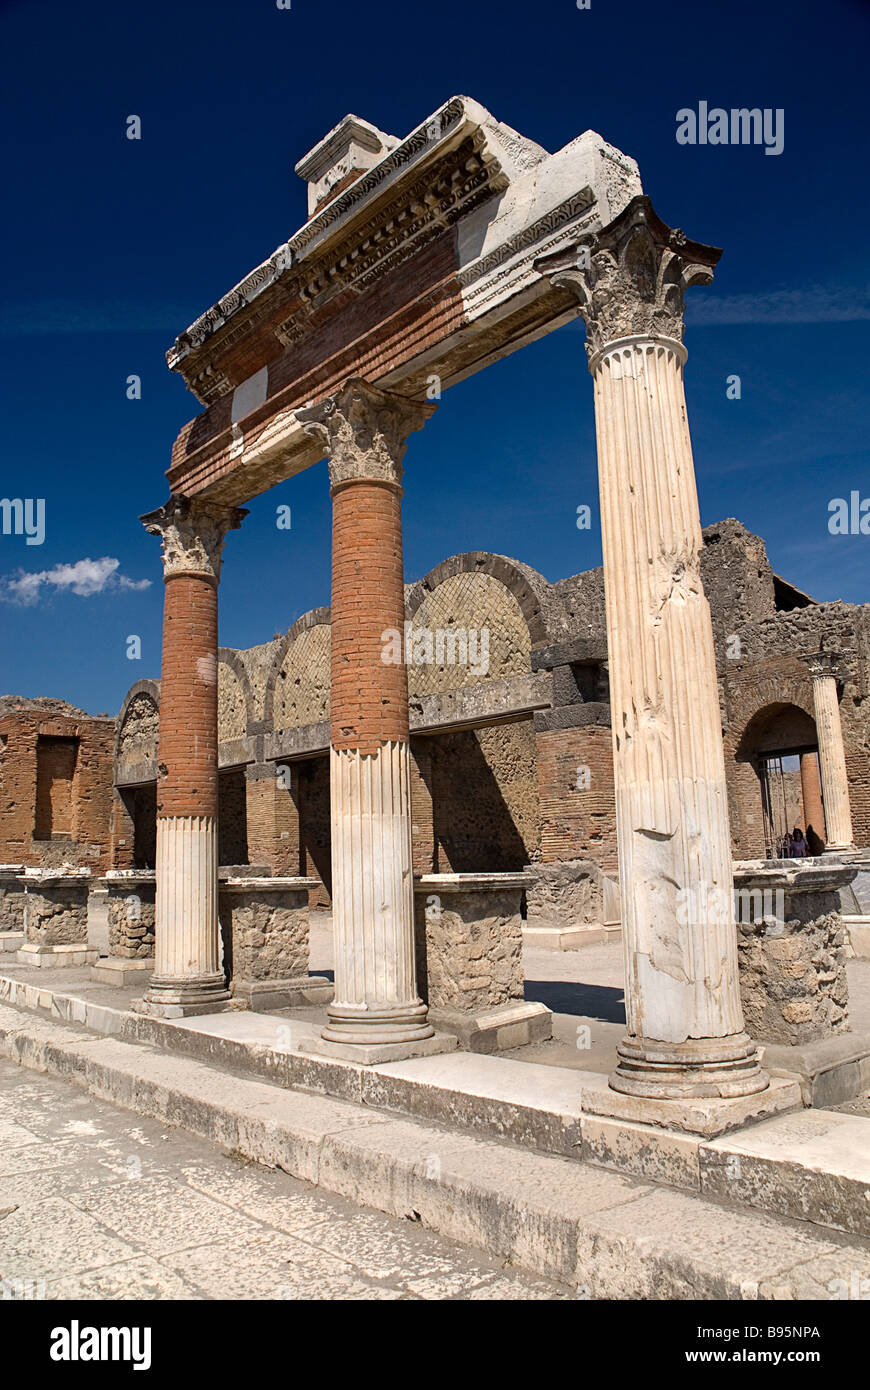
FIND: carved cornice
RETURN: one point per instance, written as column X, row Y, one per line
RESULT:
column 438, row 197
column 193, row 534
column 630, row 278
column 364, row 432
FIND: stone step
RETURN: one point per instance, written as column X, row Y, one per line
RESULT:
column 557, row 1110
column 814, row 1165
column 608, row 1235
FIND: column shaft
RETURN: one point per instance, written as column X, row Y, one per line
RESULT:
column 832, row 761
column 188, row 977
column 811, row 795
column 186, row 953
column 682, row 994
column 376, row 1001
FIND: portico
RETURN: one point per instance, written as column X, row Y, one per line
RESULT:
column 424, row 258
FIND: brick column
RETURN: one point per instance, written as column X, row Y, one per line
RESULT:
column 685, row 1024
column 832, row 754
column 377, row 1011
column 188, row 978
column 811, row 795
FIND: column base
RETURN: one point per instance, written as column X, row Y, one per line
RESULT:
column 167, row 997
column 373, row 1054
column 296, row 992
column 724, row 1067
column 406, row 1023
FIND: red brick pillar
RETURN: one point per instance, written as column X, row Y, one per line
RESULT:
column 188, row 978
column 377, row 1011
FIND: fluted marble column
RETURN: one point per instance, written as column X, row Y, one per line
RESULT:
column 188, row 978
column 685, row 1023
column 832, row 754
column 377, row 1011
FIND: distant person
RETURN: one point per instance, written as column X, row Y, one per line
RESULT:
column 815, row 844
column 798, row 844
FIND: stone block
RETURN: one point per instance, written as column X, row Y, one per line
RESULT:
column 792, row 950
column 56, row 907
column 131, row 912
column 812, row 1166
column 497, row 1030
column 264, row 928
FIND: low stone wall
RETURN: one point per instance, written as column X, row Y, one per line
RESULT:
column 131, row 912
column 264, row 929
column 566, row 894
column 469, row 940
column 56, row 907
column 792, row 948
column 469, row 948
column 11, row 898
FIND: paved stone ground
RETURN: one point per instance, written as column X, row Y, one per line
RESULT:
column 98, row 1203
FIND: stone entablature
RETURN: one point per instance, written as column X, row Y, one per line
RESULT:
column 447, row 225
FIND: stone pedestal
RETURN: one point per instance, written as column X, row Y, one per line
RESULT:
column 470, row 959
column 131, row 911
column 570, row 904
column 188, row 978
column 792, row 949
column 56, row 918
column 685, row 1027
column 832, row 754
column 11, row 907
column 377, row 1012
column 264, row 926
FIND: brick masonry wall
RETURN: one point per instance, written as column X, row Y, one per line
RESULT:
column 577, row 821
column 484, row 798
column 87, row 795
column 232, row 817
column 315, row 827
column 770, row 682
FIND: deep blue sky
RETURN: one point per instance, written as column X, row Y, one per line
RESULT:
column 111, row 247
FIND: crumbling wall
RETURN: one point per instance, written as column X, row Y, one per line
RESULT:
column 80, row 801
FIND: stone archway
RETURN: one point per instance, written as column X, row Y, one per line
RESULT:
column 775, row 781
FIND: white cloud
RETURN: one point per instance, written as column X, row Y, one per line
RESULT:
column 84, row 578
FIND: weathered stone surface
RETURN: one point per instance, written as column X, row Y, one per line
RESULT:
column 11, row 898
column 56, row 908
column 469, row 940
column 264, row 925
column 792, row 947
column 131, row 914
column 569, row 893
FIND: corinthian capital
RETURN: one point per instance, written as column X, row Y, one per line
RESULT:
column 822, row 664
column 364, row 432
column 630, row 278
column 193, row 533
